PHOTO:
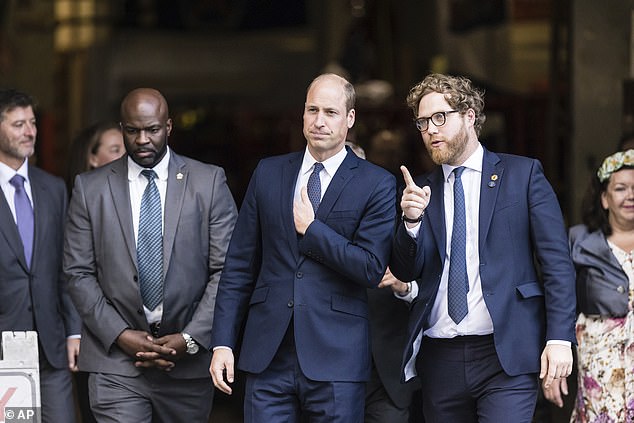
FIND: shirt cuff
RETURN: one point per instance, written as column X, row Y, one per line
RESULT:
column 559, row 342
column 413, row 232
column 413, row 292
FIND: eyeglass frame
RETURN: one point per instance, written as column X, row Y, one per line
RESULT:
column 418, row 121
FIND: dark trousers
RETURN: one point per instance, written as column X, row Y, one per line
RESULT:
column 282, row 394
column 56, row 389
column 152, row 397
column 463, row 382
column 379, row 407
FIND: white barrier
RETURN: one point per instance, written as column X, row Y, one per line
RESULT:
column 19, row 378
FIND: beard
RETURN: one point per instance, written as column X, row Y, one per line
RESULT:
column 452, row 149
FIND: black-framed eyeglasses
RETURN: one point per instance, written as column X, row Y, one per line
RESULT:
column 438, row 119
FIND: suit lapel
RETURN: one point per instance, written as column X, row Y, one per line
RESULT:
column 9, row 231
column 289, row 178
column 492, row 175
column 337, row 184
column 174, row 197
column 120, row 191
column 40, row 193
column 436, row 209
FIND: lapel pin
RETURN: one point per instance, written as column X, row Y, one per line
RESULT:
column 179, row 176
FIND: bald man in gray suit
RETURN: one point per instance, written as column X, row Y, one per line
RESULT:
column 148, row 359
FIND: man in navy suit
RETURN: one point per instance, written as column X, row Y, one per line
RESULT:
column 313, row 233
column 470, row 233
column 32, row 294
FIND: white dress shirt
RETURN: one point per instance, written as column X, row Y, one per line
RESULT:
column 325, row 176
column 6, row 173
column 137, row 183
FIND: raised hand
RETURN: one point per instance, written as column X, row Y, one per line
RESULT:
column 415, row 199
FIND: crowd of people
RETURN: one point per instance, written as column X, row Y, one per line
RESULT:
column 335, row 294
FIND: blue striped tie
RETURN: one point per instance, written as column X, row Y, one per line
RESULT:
column 24, row 216
column 150, row 244
column 458, row 283
column 314, row 186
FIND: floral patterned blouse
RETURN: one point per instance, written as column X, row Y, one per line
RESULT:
column 606, row 361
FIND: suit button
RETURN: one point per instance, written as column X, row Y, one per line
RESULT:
column 299, row 275
column 290, row 303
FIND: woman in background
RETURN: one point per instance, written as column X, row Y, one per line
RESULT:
column 602, row 250
column 93, row 147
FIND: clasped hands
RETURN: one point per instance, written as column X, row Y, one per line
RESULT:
column 148, row 351
column 415, row 199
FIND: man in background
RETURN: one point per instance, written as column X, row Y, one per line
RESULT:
column 32, row 292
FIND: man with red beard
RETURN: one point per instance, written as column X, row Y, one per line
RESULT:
column 483, row 326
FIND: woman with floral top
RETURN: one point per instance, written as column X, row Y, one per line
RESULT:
column 602, row 250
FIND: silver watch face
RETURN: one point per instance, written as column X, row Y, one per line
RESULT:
column 192, row 348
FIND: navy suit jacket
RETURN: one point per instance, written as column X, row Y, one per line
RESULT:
column 319, row 280
column 520, row 221
column 36, row 298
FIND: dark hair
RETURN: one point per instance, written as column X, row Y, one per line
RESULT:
column 11, row 98
column 85, row 143
column 593, row 215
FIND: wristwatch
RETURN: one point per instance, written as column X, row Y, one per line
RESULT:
column 192, row 346
column 410, row 220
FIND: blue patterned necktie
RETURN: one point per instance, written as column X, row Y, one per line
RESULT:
column 458, row 283
column 24, row 216
column 149, row 248
column 314, row 186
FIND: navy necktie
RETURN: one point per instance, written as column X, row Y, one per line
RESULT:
column 314, row 186
column 458, row 284
column 150, row 244
column 24, row 216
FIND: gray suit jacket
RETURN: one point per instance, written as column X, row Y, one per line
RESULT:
column 602, row 285
column 35, row 298
column 100, row 261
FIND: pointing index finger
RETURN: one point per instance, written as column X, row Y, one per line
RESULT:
column 407, row 177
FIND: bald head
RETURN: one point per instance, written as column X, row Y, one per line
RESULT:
column 148, row 99
column 146, row 126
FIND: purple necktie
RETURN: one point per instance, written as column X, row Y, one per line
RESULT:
column 24, row 216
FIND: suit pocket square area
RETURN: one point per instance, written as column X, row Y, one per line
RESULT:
column 530, row 289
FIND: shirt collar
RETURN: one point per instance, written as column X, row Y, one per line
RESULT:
column 330, row 165
column 6, row 172
column 474, row 162
column 161, row 168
